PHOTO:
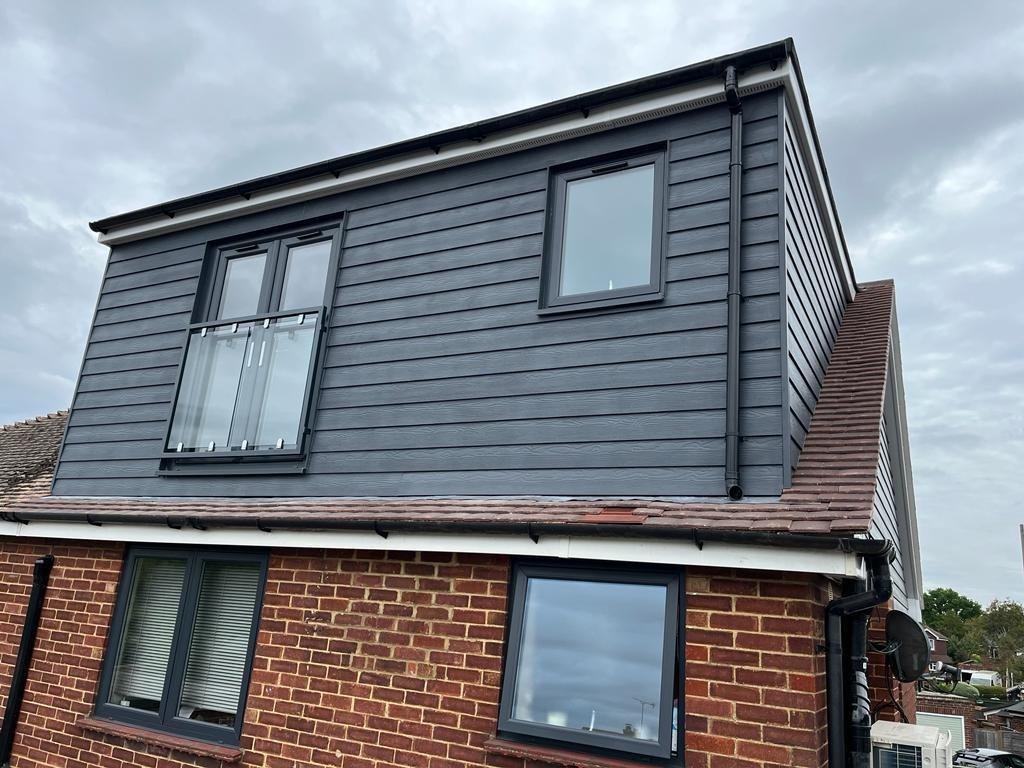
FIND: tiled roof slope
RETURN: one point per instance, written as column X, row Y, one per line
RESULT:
column 28, row 455
column 832, row 491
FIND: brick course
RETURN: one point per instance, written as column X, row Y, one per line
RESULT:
column 373, row 660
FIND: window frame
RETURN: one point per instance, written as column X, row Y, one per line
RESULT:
column 164, row 720
column 276, row 245
column 559, row 177
column 673, row 660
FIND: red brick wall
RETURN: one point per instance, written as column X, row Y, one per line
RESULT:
column 367, row 660
column 879, row 679
column 942, row 704
column 755, row 678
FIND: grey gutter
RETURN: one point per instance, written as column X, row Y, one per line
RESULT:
column 733, row 489
column 771, row 53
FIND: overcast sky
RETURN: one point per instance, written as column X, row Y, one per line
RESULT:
column 112, row 106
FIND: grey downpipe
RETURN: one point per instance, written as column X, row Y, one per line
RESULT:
column 849, row 711
column 40, row 580
column 732, row 364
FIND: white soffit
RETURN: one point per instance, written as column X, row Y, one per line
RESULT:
column 656, row 551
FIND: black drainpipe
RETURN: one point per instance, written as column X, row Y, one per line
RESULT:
column 849, row 709
column 40, row 578
column 732, row 364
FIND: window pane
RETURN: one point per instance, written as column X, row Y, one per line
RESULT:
column 591, row 657
column 214, row 364
column 283, row 359
column 141, row 667
column 606, row 243
column 243, row 281
column 219, row 647
column 305, row 276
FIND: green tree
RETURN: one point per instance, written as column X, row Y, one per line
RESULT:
column 1000, row 631
column 942, row 603
column 954, row 615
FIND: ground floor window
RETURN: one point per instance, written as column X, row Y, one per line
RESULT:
column 182, row 640
column 592, row 657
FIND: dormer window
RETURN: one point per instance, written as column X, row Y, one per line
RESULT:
column 247, row 375
column 605, row 234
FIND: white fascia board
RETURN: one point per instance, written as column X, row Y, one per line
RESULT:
column 655, row 551
column 616, row 115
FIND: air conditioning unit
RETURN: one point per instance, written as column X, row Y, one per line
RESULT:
column 898, row 745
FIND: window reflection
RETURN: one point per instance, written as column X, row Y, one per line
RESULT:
column 591, row 657
column 606, row 242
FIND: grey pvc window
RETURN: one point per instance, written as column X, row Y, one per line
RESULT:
column 181, row 642
column 247, row 375
column 592, row 658
column 605, row 234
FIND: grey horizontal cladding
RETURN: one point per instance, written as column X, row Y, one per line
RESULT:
column 148, row 293
column 481, row 254
column 441, row 377
column 448, row 199
column 146, row 395
column 336, row 409
column 133, row 362
column 815, row 300
column 154, row 260
column 171, row 273
column 121, row 449
column 598, row 352
column 129, row 414
column 712, row 188
column 116, row 380
column 145, row 343
column 675, row 371
column 179, row 306
column 657, row 481
column 640, row 322
column 446, row 239
column 451, row 218
column 142, row 327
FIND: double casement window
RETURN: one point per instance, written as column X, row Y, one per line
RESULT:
column 605, row 233
column 181, row 642
column 592, row 658
column 247, row 377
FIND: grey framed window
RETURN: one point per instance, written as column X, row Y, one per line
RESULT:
column 181, row 641
column 605, row 234
column 593, row 658
column 247, row 376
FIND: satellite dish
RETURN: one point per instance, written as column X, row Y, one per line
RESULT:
column 907, row 646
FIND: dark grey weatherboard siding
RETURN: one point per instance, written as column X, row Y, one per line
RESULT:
column 885, row 520
column 815, row 298
column 441, row 377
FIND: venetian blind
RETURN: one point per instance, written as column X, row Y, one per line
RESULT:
column 148, row 631
column 220, row 638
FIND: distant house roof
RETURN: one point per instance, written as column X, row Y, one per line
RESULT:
column 935, row 633
column 832, row 492
column 28, row 456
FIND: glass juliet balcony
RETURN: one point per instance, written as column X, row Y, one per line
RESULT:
column 245, row 385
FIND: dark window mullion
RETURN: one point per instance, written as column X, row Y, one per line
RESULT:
column 172, row 685
column 270, row 297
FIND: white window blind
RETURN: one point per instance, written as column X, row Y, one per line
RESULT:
column 219, row 647
column 148, row 633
